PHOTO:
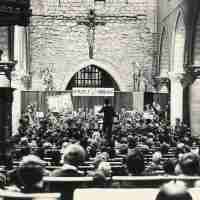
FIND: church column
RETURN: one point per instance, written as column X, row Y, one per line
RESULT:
column 176, row 96
column 162, row 96
column 194, row 102
column 20, row 55
column 163, row 85
column 6, row 98
column 20, row 49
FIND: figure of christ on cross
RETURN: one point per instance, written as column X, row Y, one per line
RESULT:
column 91, row 23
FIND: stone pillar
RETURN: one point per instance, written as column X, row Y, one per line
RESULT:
column 194, row 102
column 20, row 48
column 176, row 96
column 163, row 94
column 138, row 101
column 6, row 98
column 20, row 55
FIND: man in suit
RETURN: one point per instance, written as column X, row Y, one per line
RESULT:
column 108, row 119
column 73, row 156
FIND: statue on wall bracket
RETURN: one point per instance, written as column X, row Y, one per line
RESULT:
column 139, row 81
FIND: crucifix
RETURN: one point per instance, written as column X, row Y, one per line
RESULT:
column 91, row 22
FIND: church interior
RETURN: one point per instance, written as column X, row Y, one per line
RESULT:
column 99, row 99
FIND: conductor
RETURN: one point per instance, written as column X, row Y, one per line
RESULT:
column 108, row 119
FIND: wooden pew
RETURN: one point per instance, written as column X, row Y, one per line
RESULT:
column 128, row 194
column 116, row 169
column 115, row 194
column 7, row 195
column 151, row 181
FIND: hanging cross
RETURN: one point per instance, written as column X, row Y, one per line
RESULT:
column 91, row 23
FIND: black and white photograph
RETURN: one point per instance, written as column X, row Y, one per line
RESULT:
column 99, row 99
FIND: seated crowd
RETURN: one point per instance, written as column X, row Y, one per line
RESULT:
column 76, row 147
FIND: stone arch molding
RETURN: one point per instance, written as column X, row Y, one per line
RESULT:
column 109, row 68
column 164, row 60
column 178, row 43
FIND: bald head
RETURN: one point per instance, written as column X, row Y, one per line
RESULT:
column 174, row 191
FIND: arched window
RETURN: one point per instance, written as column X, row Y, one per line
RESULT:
column 92, row 76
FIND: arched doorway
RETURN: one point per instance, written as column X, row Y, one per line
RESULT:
column 91, row 76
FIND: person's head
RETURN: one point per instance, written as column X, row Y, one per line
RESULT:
column 164, row 148
column 100, row 157
column 156, row 157
column 74, row 154
column 131, row 141
column 105, row 168
column 189, row 164
column 149, row 142
column 174, row 191
column 123, row 149
column 30, row 172
column 106, row 101
column 135, row 162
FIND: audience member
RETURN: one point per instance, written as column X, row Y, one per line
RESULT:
column 30, row 173
column 189, row 164
column 105, row 169
column 155, row 167
column 169, row 167
column 135, row 163
column 73, row 156
column 174, row 191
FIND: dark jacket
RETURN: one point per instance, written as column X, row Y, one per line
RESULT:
column 66, row 173
column 109, row 114
column 66, row 189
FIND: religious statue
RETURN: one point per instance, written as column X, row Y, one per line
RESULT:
column 139, row 82
column 90, row 39
column 143, row 85
column 47, row 78
column 91, row 22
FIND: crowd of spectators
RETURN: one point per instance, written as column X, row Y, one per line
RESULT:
column 72, row 140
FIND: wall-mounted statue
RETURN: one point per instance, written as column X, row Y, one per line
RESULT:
column 139, row 81
column 47, row 78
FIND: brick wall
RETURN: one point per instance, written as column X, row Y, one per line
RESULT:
column 59, row 43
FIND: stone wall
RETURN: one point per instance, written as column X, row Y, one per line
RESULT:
column 59, row 43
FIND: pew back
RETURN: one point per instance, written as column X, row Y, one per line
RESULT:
column 128, row 194
column 151, row 181
column 7, row 195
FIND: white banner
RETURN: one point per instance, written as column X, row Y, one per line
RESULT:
column 93, row 92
